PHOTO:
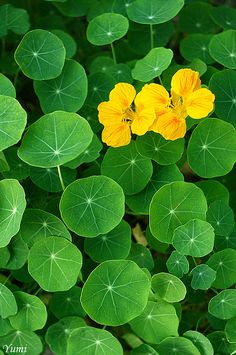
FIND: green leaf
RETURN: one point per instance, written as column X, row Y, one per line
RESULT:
column 222, row 48
column 37, row 224
column 168, row 287
column 12, row 121
column 5, row 327
column 101, row 64
column 177, row 264
column 54, row 263
column 67, row 136
column 4, row 166
column 4, row 257
column 13, row 19
column 230, row 330
column 211, row 141
column 101, row 202
column 110, row 286
column 18, row 253
column 214, row 190
column 173, row 205
column 120, row 72
column 12, row 206
column 99, row 87
column 196, row 46
column 223, row 305
column 40, row 55
column 223, row 242
column 67, row 92
column 224, row 16
column 156, row 322
column 220, row 343
column 143, row 349
column 141, row 256
column 153, row 11
column 22, row 339
column 153, row 64
column 223, row 85
column 68, row 41
column 203, row 277
column 6, row 86
column 111, row 246
column 175, row 345
column 127, row 167
column 32, row 313
column 107, row 28
column 73, row 8
column 8, row 305
column 224, row 263
column 195, row 238
column 18, row 169
column 200, row 341
column 93, row 341
column 221, row 217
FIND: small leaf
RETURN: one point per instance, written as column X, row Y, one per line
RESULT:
column 221, row 217
column 168, row 287
column 8, row 304
column 177, row 264
column 223, row 305
column 23, row 339
column 203, row 277
column 14, row 19
column 222, row 48
column 200, row 341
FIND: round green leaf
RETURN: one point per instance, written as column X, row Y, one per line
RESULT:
column 18, row 169
column 55, row 139
column 214, row 190
column 221, row 217
column 177, row 345
column 54, row 263
column 153, row 64
column 120, row 72
column 25, row 340
column 224, row 263
column 93, row 341
column 4, row 166
column 99, row 87
column 92, row 206
column 72, row 8
column 141, row 256
column 156, row 322
column 18, row 253
column 4, row 257
column 127, row 167
column 111, row 246
column 200, row 341
column 32, row 313
column 173, row 205
column 143, row 349
column 195, row 238
column 67, row 92
column 68, row 41
column 222, row 48
column 8, row 306
column 224, row 16
column 6, row 87
column 223, row 305
column 223, row 85
column 107, row 28
column 153, row 11
column 196, row 46
column 5, row 327
column 13, row 19
column 12, row 121
column 220, row 343
column 211, row 141
column 12, row 206
column 40, row 55
column 230, row 330
column 177, row 264
column 100, row 64
column 168, row 287
column 223, row 242
column 110, row 286
column 203, row 277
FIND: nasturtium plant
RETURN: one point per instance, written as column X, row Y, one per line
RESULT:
column 117, row 177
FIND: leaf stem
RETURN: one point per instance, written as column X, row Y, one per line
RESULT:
column 60, row 178
column 113, row 53
column 159, row 77
column 16, row 77
column 7, row 279
column 151, row 36
column 39, row 289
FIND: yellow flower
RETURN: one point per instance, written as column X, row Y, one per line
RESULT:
column 120, row 119
column 187, row 99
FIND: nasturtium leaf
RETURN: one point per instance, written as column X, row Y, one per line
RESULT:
column 37, row 224
column 32, row 313
column 92, row 206
column 223, row 85
column 222, row 48
column 26, row 341
column 153, row 11
column 67, row 303
column 173, row 205
column 107, row 28
column 228, row 241
column 196, row 46
column 18, row 253
column 93, row 341
column 55, row 139
column 224, row 16
column 230, row 330
column 211, row 141
column 155, row 147
column 13, row 19
column 220, row 343
column 115, row 292
column 68, row 41
column 4, row 257
column 224, row 263
column 58, row 333
column 4, row 166
column 214, row 190
column 18, row 169
column 200, row 341
column 111, row 246
column 177, row 264
column 177, row 345
column 221, row 217
column 143, row 349
column 120, row 72
column 201, row 67
column 55, row 263
column 73, row 8
column 67, row 92
column 156, row 322
column 12, row 121
column 12, row 206
column 223, row 305
column 5, row 326
column 8, row 306
column 195, row 238
column 141, row 256
column 153, row 64
column 40, row 55
column 127, row 167
column 6, row 87
column 203, row 277
column 168, row 287
column 99, row 87
column 101, row 64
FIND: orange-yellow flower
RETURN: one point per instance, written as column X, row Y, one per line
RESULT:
column 187, row 99
column 120, row 119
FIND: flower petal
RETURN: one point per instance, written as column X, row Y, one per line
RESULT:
column 109, row 113
column 116, row 135
column 143, row 120
column 200, row 103
column 170, row 126
column 153, row 95
column 185, row 81
column 123, row 94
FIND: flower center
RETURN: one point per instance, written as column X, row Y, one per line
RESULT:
column 128, row 116
column 178, row 107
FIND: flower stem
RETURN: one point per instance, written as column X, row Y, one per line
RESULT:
column 113, row 53
column 60, row 178
column 151, row 37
